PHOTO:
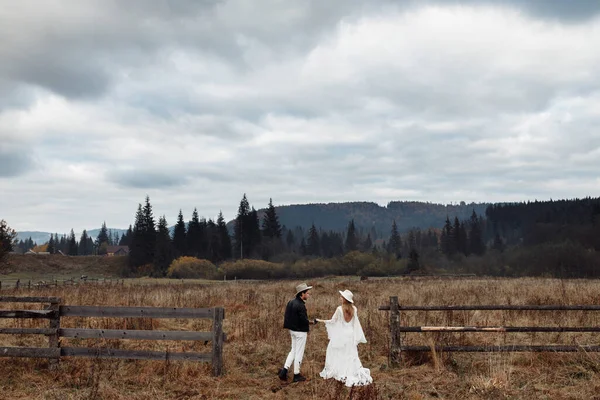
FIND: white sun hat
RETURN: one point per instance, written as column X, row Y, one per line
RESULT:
column 347, row 295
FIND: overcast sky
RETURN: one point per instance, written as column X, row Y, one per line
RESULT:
column 195, row 103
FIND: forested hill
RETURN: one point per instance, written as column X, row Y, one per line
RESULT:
column 368, row 215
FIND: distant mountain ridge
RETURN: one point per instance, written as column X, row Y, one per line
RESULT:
column 369, row 215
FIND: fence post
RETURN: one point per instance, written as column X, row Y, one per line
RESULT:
column 395, row 342
column 53, row 338
column 17, row 284
column 217, row 340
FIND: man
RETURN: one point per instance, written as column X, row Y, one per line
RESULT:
column 296, row 320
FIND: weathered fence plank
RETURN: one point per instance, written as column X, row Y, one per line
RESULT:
column 135, row 312
column 132, row 354
column 35, row 314
column 133, row 334
column 217, row 350
column 29, row 352
column 395, row 342
column 27, row 331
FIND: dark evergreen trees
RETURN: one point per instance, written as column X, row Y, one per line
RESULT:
column 352, row 239
column 143, row 240
column 394, row 245
column 7, row 239
column 102, row 241
column 271, row 233
column 194, row 236
column 164, row 253
column 72, row 244
column 179, row 236
column 476, row 243
column 84, row 244
column 313, row 244
column 225, row 251
column 51, row 245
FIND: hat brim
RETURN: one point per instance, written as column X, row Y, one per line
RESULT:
column 342, row 294
column 307, row 288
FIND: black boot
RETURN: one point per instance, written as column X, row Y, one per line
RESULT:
column 282, row 374
column 299, row 378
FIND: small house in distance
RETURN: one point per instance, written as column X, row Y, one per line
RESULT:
column 117, row 250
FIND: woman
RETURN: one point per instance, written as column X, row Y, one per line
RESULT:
column 345, row 333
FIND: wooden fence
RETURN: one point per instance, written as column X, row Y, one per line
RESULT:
column 54, row 312
column 396, row 346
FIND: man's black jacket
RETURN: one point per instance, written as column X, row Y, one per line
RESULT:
column 296, row 318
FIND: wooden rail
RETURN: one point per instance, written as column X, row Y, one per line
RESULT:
column 396, row 347
column 54, row 312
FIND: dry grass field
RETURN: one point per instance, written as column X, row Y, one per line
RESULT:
column 257, row 345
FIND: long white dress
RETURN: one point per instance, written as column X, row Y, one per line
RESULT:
column 341, row 360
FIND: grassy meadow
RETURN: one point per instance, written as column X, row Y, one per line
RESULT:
column 257, row 345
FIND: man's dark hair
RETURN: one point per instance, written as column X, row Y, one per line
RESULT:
column 302, row 292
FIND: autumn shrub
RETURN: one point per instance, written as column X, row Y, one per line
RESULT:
column 315, row 267
column 191, row 268
column 252, row 269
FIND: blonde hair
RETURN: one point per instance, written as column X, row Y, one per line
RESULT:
column 348, row 309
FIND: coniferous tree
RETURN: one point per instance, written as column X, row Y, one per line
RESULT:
column 72, row 244
column 290, row 241
column 254, row 235
column 351, row 237
column 476, row 245
column 224, row 238
column 7, row 240
column 51, row 245
column 313, row 244
column 164, row 253
column 83, row 243
column 103, row 239
column 150, row 232
column 136, row 247
column 179, row 236
column 270, row 225
column 462, row 240
column 126, row 237
column 368, row 244
column 204, row 238
column 394, row 245
column 241, row 229
column 194, row 235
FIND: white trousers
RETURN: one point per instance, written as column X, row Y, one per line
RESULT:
column 297, row 352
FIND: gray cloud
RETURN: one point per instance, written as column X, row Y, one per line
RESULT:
column 195, row 103
column 14, row 162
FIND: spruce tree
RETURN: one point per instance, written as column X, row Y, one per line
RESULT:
column 241, row 229
column 270, row 225
column 476, row 245
column 368, row 243
column 313, row 245
column 103, row 239
column 7, row 240
column 179, row 236
column 72, row 244
column 194, row 235
column 394, row 246
column 351, row 237
column 51, row 245
column 224, row 238
column 163, row 255
column 83, row 242
column 136, row 247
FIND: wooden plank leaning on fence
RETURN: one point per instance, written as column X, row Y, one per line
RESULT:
column 396, row 347
column 54, row 312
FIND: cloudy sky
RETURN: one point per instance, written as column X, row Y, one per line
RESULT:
column 196, row 102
